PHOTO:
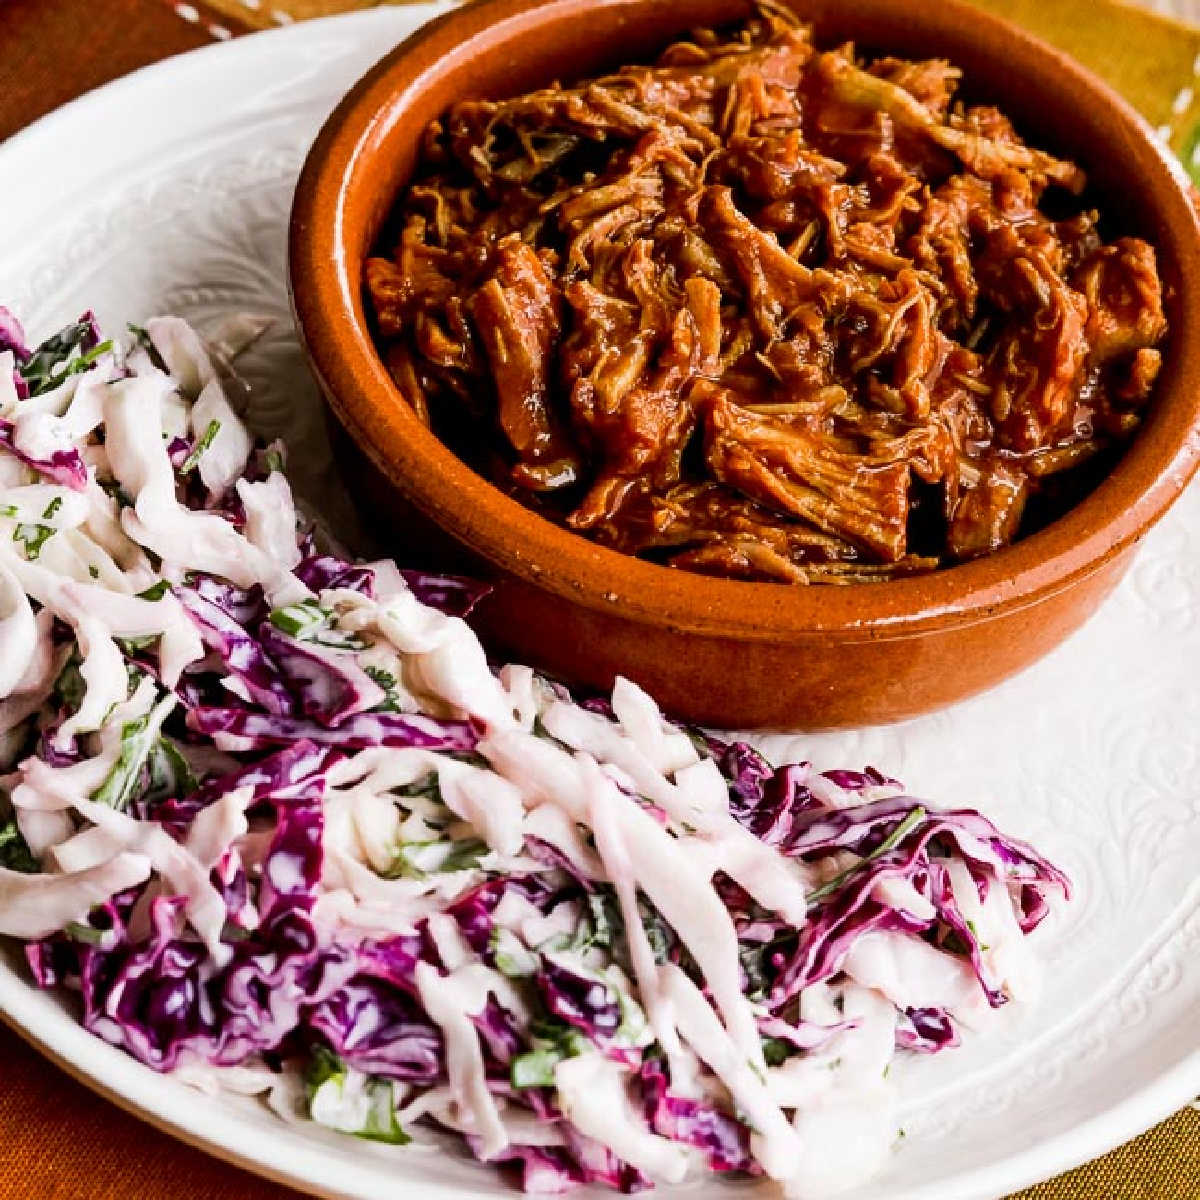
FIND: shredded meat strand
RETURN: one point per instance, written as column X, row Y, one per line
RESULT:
column 768, row 311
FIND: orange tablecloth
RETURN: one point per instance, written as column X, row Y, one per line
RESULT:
column 58, row 1140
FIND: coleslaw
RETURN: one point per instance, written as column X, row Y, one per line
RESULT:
column 275, row 817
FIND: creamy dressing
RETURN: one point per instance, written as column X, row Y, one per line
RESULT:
column 271, row 519
column 630, row 803
column 179, row 536
column 18, row 633
column 1007, row 957
column 177, row 866
column 593, row 1096
column 41, row 435
column 8, row 383
column 108, row 614
column 698, row 798
column 443, row 659
column 217, row 827
column 776, row 1144
column 225, row 445
column 183, row 353
column 845, row 1106
column 451, row 1000
column 31, row 689
column 491, row 804
column 46, row 504
column 675, row 873
column 44, row 794
column 617, row 866
column 668, row 748
column 552, row 825
column 88, row 848
column 35, row 906
column 912, row 974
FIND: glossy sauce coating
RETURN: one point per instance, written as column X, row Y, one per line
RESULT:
column 767, row 311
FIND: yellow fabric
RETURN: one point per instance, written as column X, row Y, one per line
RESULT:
column 1150, row 59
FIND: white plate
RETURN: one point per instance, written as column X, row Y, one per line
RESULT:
column 169, row 191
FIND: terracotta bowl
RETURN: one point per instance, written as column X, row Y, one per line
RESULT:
column 715, row 651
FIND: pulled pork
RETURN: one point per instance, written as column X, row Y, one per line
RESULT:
column 767, row 311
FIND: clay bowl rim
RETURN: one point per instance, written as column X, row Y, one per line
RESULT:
column 327, row 300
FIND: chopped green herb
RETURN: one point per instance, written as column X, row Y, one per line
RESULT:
column 55, row 359
column 658, row 934
column 390, row 685
column 323, row 1067
column 51, row 508
column 33, row 538
column 535, row 1068
column 425, row 788
column 335, row 639
column 300, row 619
column 131, row 645
column 93, row 571
column 381, row 1124
column 633, row 1018
column 141, row 337
column 69, row 687
column 511, row 956
column 89, row 935
column 15, row 854
column 602, row 925
column 206, row 439
column 754, row 959
column 464, row 856
column 418, row 860
column 133, row 771
column 776, row 1050
column 349, row 1102
column 91, row 357
column 890, row 842
column 407, row 861
column 169, row 772
column 8, row 510
column 554, row 1032
column 156, row 591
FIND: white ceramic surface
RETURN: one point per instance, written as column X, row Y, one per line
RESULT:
column 169, row 191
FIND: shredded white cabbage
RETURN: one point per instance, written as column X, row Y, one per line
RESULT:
column 34, row 906
column 592, row 1093
column 451, row 1001
column 630, row 806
